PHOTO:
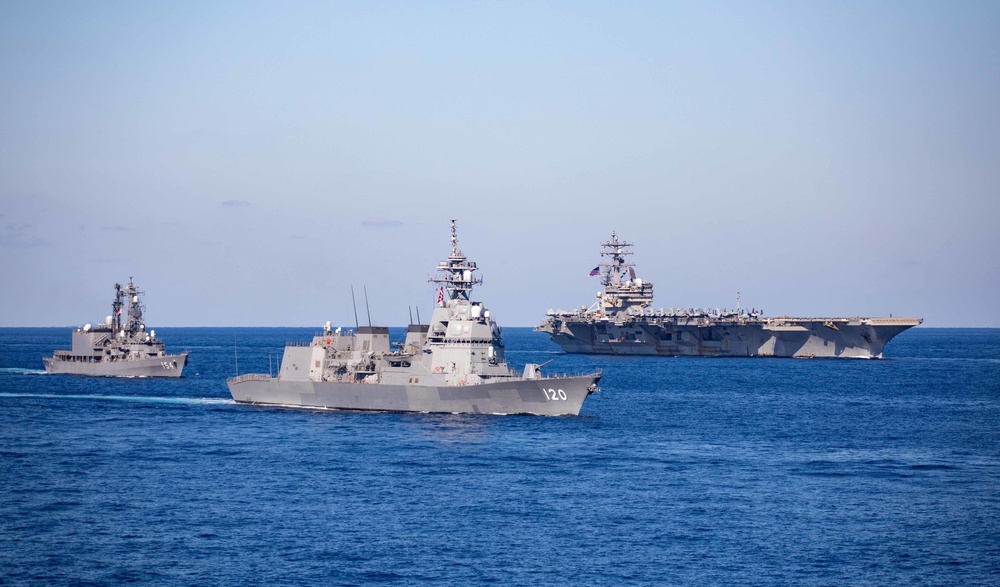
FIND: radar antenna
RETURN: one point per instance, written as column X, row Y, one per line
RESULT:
column 367, row 308
column 116, row 309
column 128, row 299
column 617, row 250
column 622, row 289
column 354, row 302
column 457, row 270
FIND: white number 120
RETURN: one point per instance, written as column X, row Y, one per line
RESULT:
column 554, row 394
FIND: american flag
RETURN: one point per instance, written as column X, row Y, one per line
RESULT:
column 441, row 296
column 595, row 271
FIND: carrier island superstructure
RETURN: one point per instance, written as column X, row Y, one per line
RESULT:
column 454, row 364
column 121, row 347
column 623, row 322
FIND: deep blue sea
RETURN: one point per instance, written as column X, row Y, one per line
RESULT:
column 681, row 471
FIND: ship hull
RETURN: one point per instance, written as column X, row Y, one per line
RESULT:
column 168, row 366
column 795, row 338
column 561, row 396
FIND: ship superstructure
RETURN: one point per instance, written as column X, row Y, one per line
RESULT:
column 456, row 363
column 120, row 347
column 623, row 322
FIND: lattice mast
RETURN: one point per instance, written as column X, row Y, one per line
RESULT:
column 457, row 276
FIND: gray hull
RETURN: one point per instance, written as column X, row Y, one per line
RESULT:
column 545, row 397
column 623, row 322
column 797, row 338
column 166, row 366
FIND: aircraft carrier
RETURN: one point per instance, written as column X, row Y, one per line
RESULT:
column 454, row 364
column 120, row 347
column 623, row 322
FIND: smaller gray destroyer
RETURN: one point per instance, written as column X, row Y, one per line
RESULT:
column 119, row 347
column 455, row 364
column 623, row 322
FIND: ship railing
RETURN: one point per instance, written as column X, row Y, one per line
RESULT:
column 841, row 319
column 567, row 375
column 517, row 376
column 901, row 320
column 250, row 377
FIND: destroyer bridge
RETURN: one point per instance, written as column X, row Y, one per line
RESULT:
column 622, row 321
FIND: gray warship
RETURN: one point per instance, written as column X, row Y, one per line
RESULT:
column 623, row 322
column 119, row 347
column 455, row 364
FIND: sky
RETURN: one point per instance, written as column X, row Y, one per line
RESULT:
column 249, row 162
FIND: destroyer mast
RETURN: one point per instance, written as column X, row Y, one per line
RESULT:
column 458, row 276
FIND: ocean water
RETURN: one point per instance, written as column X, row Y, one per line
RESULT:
column 680, row 471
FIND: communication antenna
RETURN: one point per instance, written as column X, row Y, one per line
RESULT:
column 236, row 355
column 355, row 304
column 367, row 310
column 418, row 316
column 410, row 310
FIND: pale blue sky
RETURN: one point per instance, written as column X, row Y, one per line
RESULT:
column 249, row 162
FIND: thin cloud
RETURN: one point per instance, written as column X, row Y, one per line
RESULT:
column 235, row 203
column 20, row 241
column 115, row 228
column 18, row 235
column 380, row 223
column 107, row 261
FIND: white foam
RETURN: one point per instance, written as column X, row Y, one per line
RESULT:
column 23, row 371
column 127, row 398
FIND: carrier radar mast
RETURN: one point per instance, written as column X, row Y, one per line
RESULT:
column 622, row 289
column 617, row 251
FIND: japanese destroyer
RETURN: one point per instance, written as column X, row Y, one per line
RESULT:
column 455, row 364
column 120, row 347
column 623, row 322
